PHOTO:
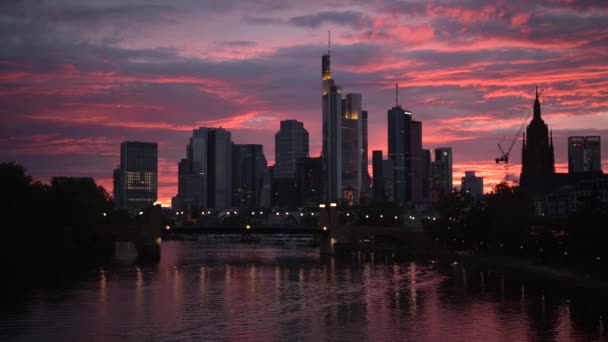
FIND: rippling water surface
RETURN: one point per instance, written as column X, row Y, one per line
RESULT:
column 206, row 292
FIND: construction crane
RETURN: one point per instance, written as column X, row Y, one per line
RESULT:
column 505, row 154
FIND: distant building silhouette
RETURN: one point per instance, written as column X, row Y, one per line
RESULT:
column 248, row 172
column 426, row 176
column 366, row 180
column 388, row 176
column 584, row 154
column 136, row 179
column 538, row 163
column 405, row 150
column 332, row 133
column 442, row 170
column 290, row 144
column 205, row 176
column 472, row 184
column 351, row 148
column 309, row 180
column 378, row 179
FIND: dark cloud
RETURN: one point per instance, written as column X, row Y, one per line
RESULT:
column 237, row 43
column 353, row 19
column 261, row 20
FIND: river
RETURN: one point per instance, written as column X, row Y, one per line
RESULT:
column 200, row 291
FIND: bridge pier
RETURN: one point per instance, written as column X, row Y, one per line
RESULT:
column 148, row 251
column 326, row 246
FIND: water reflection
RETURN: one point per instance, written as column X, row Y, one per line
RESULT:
column 239, row 292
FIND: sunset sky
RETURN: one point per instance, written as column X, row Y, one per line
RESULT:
column 79, row 77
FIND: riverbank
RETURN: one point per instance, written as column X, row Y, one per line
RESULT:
column 565, row 274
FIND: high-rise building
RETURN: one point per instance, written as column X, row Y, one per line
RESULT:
column 442, row 172
column 416, row 176
column 266, row 200
column 332, row 133
column 290, row 144
column 426, row 175
column 366, row 180
column 309, row 181
column 537, row 158
column 351, row 148
column 584, row 154
column 137, row 176
column 472, row 184
column 248, row 171
column 405, row 149
column 439, row 187
column 388, row 176
column 190, row 186
column 205, row 176
column 378, row 180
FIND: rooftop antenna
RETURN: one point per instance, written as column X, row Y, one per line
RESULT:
column 396, row 94
column 329, row 42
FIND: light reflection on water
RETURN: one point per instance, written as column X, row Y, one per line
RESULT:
column 208, row 292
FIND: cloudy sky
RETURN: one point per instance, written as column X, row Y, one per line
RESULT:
column 79, row 77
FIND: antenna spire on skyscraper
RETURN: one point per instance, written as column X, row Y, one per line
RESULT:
column 329, row 42
column 396, row 94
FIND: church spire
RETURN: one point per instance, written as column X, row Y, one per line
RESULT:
column 537, row 105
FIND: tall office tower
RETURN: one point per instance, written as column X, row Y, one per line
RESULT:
column 443, row 169
column 190, row 187
column 205, row 176
column 416, row 176
column 472, row 184
column 378, row 180
column 584, row 154
column 439, row 170
column 309, row 180
column 332, row 133
column 266, row 200
column 388, row 176
column 351, row 148
column 405, row 149
column 426, row 175
column 248, row 171
column 138, row 175
column 537, row 158
column 290, row 144
column 366, row 180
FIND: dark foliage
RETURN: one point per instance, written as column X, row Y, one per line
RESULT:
column 51, row 225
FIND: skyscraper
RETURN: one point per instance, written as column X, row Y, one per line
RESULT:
column 472, row 184
column 584, row 154
column 537, row 160
column 332, row 133
column 442, row 172
column 426, row 175
column 366, row 180
column 378, row 180
column 205, row 176
column 248, row 172
column 137, row 175
column 416, row 176
column 309, row 181
column 290, row 144
column 351, row 148
column 405, row 149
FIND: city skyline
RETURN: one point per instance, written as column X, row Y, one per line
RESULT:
column 66, row 109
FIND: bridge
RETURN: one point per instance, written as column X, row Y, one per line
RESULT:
column 145, row 235
column 339, row 237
